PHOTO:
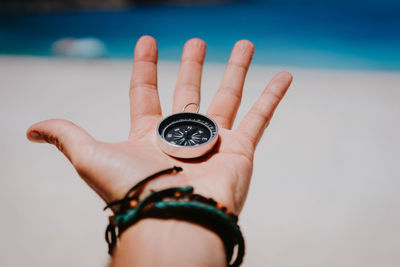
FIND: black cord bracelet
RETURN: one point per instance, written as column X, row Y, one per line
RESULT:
column 177, row 203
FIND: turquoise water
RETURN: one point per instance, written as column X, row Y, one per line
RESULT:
column 342, row 34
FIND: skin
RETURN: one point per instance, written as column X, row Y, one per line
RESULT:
column 224, row 174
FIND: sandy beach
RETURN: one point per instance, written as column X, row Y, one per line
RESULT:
column 326, row 180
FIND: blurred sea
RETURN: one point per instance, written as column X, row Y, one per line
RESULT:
column 349, row 34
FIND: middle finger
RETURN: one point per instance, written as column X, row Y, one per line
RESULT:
column 187, row 88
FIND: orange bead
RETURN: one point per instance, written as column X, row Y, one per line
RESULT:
column 220, row 206
column 177, row 194
column 133, row 203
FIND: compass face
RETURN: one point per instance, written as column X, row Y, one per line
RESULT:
column 185, row 130
column 187, row 133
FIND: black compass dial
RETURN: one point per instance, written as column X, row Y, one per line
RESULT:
column 187, row 134
column 187, row 129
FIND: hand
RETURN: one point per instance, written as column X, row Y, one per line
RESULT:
column 224, row 174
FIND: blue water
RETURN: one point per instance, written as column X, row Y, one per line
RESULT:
column 338, row 34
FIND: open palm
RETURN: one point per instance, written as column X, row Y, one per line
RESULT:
column 223, row 174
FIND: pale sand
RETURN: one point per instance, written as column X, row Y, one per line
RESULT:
column 326, row 183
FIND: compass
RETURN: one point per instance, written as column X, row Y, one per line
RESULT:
column 187, row 134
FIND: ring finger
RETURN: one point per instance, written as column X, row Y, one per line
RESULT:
column 226, row 101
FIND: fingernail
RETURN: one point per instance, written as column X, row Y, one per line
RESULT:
column 35, row 136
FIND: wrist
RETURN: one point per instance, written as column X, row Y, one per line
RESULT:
column 155, row 242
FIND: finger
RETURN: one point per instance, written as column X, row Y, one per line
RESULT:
column 70, row 139
column 187, row 88
column 257, row 119
column 144, row 99
column 226, row 101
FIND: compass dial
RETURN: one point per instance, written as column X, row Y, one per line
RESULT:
column 187, row 129
column 187, row 134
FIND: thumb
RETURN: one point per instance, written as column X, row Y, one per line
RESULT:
column 69, row 138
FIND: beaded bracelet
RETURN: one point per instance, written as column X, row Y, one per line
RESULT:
column 176, row 203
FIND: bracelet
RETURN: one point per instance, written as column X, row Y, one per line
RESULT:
column 176, row 203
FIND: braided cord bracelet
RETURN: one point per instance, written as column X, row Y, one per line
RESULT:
column 176, row 203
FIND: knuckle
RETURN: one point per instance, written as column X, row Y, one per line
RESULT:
column 275, row 97
column 150, row 86
column 190, row 86
column 230, row 91
column 260, row 113
column 238, row 64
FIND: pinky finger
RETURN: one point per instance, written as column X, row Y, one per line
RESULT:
column 257, row 119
